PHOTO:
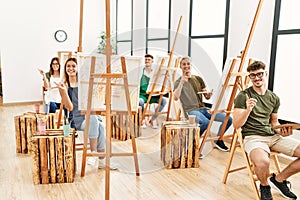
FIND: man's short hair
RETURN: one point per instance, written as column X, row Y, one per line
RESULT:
column 148, row 56
column 256, row 65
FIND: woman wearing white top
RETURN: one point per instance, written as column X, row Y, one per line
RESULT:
column 52, row 96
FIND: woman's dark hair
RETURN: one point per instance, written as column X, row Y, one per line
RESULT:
column 51, row 71
column 67, row 80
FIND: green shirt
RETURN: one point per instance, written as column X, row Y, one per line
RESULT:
column 258, row 122
column 189, row 97
column 48, row 75
column 144, row 82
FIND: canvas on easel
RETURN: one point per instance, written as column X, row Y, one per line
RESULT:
column 226, row 96
column 118, row 93
column 157, row 80
column 162, row 83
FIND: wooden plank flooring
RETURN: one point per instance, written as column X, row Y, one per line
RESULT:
column 155, row 182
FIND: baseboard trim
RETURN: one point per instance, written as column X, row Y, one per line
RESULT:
column 20, row 103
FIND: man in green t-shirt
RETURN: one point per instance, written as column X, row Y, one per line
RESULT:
column 255, row 112
column 147, row 73
column 189, row 89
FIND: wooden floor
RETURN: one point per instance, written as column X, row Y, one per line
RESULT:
column 155, row 182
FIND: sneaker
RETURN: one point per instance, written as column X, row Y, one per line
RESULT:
column 91, row 160
column 265, row 192
column 283, row 188
column 201, row 156
column 144, row 124
column 153, row 123
column 102, row 164
column 221, row 146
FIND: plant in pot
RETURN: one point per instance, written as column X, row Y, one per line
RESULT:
column 102, row 43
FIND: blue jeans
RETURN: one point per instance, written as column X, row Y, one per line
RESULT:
column 96, row 130
column 161, row 107
column 203, row 118
column 53, row 107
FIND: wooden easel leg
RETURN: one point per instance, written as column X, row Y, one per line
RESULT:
column 250, row 172
column 232, row 150
column 87, row 116
column 276, row 162
column 84, row 151
column 131, row 121
column 136, row 162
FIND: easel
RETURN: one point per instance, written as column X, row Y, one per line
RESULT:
column 59, row 53
column 166, row 78
column 237, row 84
column 108, row 76
column 108, row 111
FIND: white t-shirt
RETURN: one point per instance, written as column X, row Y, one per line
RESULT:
column 52, row 94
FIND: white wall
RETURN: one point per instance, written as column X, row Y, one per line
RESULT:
column 241, row 16
column 139, row 27
column 180, row 8
column 27, row 40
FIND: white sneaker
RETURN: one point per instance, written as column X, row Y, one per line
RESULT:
column 91, row 160
column 144, row 124
column 153, row 123
column 102, row 164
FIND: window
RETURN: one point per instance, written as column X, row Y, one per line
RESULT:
column 158, row 18
column 208, row 29
column 124, row 24
column 208, row 38
column 284, row 73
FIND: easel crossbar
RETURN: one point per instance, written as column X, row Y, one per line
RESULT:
column 93, row 75
column 112, row 154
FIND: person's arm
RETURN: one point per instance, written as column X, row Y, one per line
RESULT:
column 65, row 99
column 177, row 91
column 45, row 79
column 240, row 116
column 206, row 94
column 284, row 131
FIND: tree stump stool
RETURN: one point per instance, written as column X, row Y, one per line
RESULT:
column 180, row 144
column 121, row 125
column 54, row 157
column 26, row 126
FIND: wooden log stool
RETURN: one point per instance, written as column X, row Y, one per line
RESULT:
column 26, row 126
column 121, row 125
column 54, row 157
column 180, row 144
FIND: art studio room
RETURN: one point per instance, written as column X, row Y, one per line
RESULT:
column 149, row 99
